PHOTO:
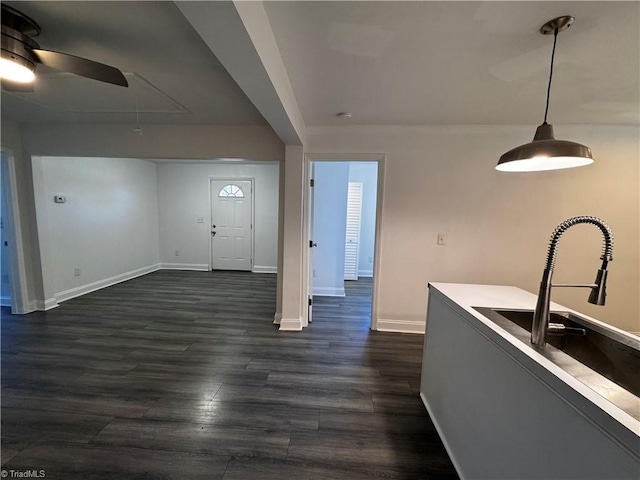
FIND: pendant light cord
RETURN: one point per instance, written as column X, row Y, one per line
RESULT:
column 553, row 54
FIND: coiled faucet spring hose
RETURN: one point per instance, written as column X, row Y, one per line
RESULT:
column 607, row 246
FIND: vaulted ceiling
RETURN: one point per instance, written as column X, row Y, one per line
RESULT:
column 389, row 63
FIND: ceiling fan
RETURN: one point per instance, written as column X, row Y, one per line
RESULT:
column 21, row 54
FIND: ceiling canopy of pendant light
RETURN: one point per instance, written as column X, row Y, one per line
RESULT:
column 545, row 152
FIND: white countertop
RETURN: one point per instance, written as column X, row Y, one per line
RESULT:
column 508, row 297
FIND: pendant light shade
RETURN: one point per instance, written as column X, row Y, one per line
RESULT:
column 545, row 152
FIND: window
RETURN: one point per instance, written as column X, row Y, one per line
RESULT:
column 231, row 191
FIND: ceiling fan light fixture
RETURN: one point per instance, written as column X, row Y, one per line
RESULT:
column 16, row 70
column 21, row 53
column 545, row 152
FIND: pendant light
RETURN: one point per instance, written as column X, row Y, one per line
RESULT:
column 545, row 152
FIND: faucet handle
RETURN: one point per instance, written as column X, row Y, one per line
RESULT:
column 561, row 329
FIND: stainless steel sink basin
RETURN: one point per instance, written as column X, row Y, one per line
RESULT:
column 610, row 353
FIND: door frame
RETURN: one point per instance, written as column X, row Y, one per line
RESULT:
column 231, row 179
column 380, row 159
column 309, row 229
column 17, row 268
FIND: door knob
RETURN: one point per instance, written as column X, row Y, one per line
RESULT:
column 213, row 233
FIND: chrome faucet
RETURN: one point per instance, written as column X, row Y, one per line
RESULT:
column 541, row 324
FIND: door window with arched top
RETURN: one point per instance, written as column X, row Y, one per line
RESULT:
column 233, row 191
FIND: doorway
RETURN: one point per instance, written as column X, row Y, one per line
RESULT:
column 231, row 223
column 13, row 269
column 5, row 268
column 343, row 229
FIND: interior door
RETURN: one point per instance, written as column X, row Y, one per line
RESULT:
column 231, row 224
column 352, row 238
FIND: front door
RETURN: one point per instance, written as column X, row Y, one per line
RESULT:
column 231, row 224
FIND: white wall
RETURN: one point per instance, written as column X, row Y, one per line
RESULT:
column 183, row 196
column 367, row 174
column 253, row 142
column 330, row 214
column 108, row 227
column 442, row 180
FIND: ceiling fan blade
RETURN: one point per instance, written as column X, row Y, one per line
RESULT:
column 17, row 87
column 81, row 66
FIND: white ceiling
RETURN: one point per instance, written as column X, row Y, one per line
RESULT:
column 445, row 62
column 388, row 62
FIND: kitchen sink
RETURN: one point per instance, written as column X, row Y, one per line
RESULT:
column 611, row 353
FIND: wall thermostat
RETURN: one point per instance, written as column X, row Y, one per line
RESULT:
column 60, row 199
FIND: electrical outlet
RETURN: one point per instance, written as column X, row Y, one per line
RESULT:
column 177, row 253
column 77, row 272
column 442, row 239
column 314, row 273
column 200, row 220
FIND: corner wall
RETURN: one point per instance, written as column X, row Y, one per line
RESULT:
column 107, row 229
column 497, row 225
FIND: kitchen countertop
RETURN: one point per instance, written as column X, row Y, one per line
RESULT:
column 508, row 297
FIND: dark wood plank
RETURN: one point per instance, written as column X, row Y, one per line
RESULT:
column 21, row 427
column 194, row 438
column 272, row 469
column 405, row 456
column 247, row 415
column 70, row 462
column 106, row 405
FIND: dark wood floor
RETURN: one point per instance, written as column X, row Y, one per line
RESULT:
column 181, row 375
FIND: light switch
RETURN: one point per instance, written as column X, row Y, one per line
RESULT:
column 60, row 199
column 442, row 239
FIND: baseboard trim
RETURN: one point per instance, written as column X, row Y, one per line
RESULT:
column 200, row 267
column 291, row 324
column 329, row 292
column 29, row 307
column 401, row 326
column 442, row 437
column 42, row 305
column 277, row 318
column 100, row 284
column 365, row 273
column 263, row 269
